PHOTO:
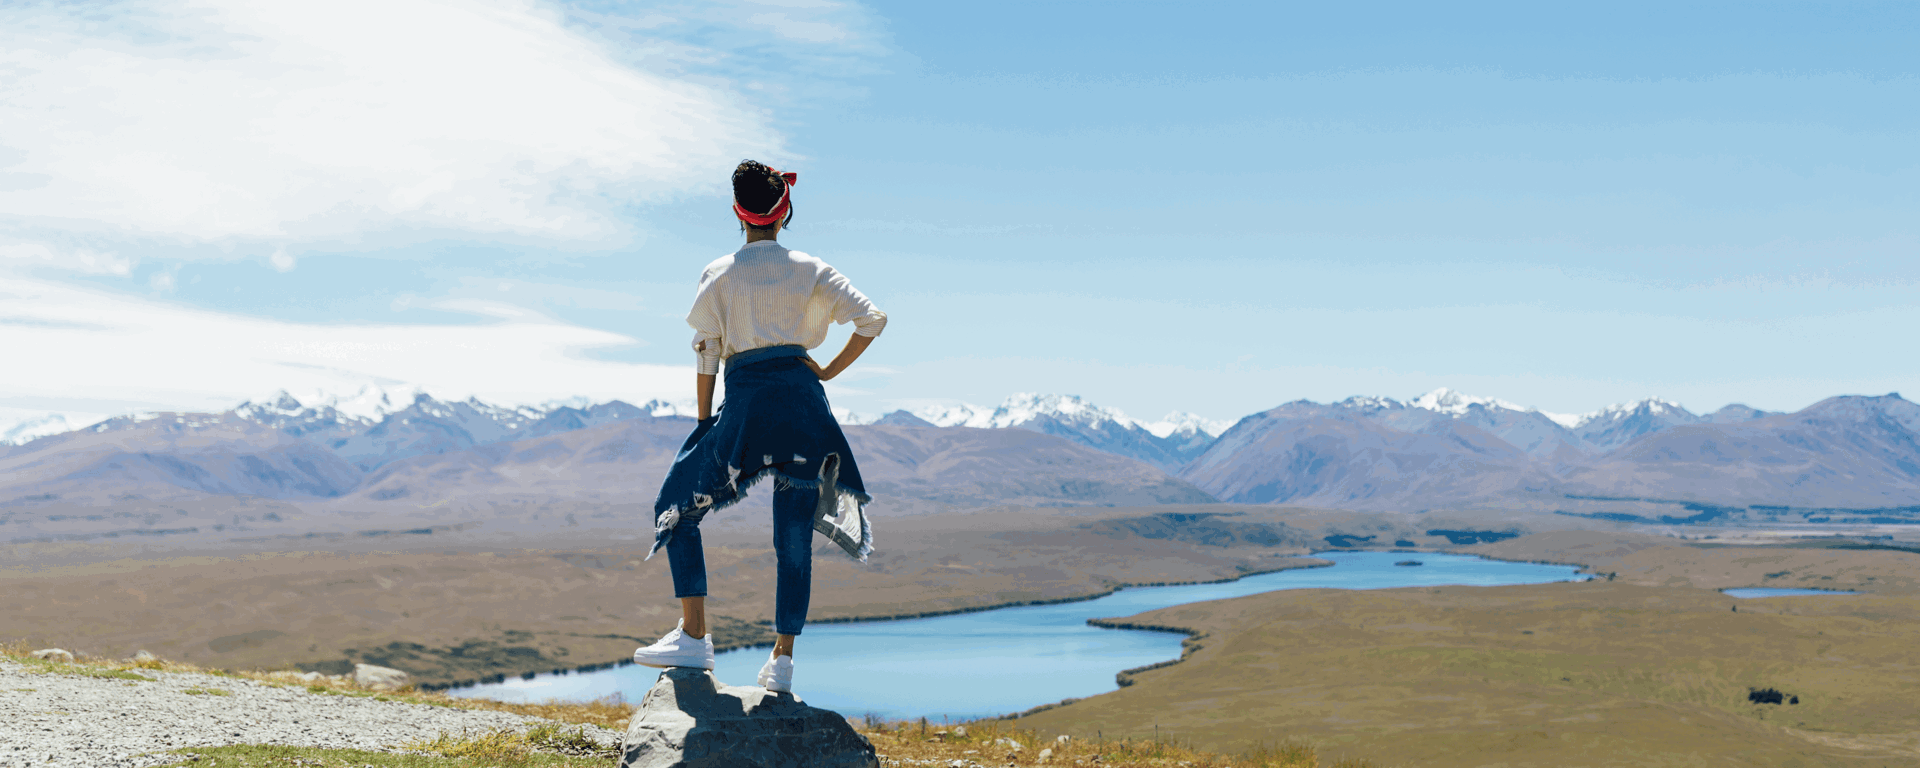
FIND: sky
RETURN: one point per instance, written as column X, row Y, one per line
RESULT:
column 1204, row 207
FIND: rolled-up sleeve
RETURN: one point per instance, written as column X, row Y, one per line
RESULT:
column 852, row 306
column 705, row 319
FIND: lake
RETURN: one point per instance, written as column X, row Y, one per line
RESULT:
column 971, row 665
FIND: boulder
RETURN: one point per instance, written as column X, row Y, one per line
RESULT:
column 378, row 678
column 53, row 654
column 691, row 720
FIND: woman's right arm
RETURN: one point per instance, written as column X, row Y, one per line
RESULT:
column 849, row 306
column 856, row 344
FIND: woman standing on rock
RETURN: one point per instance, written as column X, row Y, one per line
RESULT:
column 760, row 309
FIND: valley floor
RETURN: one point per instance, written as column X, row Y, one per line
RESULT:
column 1653, row 667
column 1650, row 665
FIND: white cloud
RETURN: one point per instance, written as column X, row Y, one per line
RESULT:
column 84, row 346
column 82, row 260
column 229, row 128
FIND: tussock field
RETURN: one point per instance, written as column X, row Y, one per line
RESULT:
column 1652, row 667
column 1622, row 672
column 456, row 616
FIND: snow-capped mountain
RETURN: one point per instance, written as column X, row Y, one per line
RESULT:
column 1181, row 422
column 1558, row 436
column 1617, row 425
column 1169, row 443
column 28, row 429
column 375, row 428
column 1022, row 407
column 1448, row 401
column 322, row 421
column 848, row 418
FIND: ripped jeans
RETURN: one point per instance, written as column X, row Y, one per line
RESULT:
column 793, row 510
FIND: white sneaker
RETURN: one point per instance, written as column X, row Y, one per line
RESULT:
column 777, row 674
column 677, row 649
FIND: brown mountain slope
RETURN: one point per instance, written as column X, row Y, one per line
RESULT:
column 218, row 477
column 909, row 468
column 172, row 455
column 1841, row 452
column 1310, row 454
column 1844, row 453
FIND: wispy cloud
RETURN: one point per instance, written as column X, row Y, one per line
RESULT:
column 233, row 129
column 87, row 347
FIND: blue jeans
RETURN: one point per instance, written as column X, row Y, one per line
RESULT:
column 792, row 550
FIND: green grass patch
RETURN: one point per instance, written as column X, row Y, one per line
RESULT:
column 503, row 744
column 43, row 667
column 206, row 692
column 274, row 756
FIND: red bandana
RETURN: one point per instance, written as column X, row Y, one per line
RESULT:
column 780, row 209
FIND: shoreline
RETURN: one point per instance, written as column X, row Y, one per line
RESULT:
column 1124, row 674
column 1111, row 588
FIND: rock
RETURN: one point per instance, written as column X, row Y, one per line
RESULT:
column 378, row 678
column 1046, row 754
column 691, row 720
column 53, row 654
column 144, row 657
column 1008, row 743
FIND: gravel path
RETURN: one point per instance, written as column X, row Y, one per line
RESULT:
column 56, row 720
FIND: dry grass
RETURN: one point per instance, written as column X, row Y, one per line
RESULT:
column 1570, row 674
column 505, row 745
column 986, row 742
column 999, row 742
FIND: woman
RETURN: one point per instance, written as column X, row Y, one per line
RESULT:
column 760, row 309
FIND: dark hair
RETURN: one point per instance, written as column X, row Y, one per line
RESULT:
column 757, row 188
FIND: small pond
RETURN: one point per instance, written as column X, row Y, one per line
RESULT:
column 970, row 665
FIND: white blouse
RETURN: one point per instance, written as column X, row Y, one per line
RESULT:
column 764, row 295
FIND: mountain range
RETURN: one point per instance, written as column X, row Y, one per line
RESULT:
column 1849, row 454
column 279, row 466
column 405, row 451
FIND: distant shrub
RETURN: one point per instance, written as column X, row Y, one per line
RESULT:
column 1767, row 696
column 1464, row 538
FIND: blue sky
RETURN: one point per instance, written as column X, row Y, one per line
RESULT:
column 1209, row 207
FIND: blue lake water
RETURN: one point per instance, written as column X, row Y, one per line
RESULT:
column 971, row 665
column 1775, row 592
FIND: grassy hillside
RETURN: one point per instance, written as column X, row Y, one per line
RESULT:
column 1571, row 674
